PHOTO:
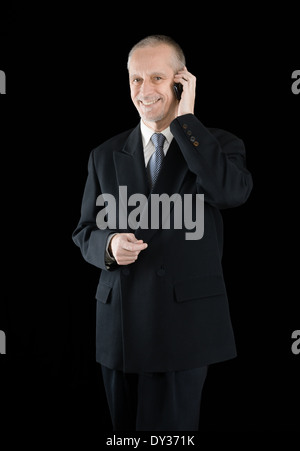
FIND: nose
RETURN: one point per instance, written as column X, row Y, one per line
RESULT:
column 146, row 88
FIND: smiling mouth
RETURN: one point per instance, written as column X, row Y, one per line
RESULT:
column 152, row 102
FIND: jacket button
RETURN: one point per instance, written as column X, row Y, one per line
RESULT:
column 195, row 143
column 161, row 272
column 126, row 271
column 192, row 139
column 189, row 132
column 184, row 126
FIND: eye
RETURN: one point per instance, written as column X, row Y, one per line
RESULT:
column 136, row 80
column 157, row 78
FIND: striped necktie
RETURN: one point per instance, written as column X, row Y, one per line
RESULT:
column 157, row 157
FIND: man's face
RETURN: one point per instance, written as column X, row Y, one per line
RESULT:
column 151, row 78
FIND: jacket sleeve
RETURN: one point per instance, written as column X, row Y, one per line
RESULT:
column 90, row 239
column 217, row 158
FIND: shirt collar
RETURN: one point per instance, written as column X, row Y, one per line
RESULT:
column 147, row 132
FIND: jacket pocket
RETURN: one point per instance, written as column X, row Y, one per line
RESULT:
column 103, row 292
column 199, row 287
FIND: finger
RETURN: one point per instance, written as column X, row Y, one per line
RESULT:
column 134, row 247
column 126, row 260
column 181, row 80
column 131, row 237
column 184, row 76
column 184, row 71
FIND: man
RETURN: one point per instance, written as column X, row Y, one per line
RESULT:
column 162, row 309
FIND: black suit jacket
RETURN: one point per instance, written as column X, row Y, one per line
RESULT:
column 168, row 310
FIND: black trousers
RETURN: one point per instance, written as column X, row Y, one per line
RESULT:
column 154, row 401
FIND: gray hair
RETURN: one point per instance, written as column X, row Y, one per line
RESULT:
column 158, row 39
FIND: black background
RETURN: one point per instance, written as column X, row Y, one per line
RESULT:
column 67, row 91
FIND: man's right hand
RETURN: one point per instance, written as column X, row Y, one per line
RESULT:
column 125, row 248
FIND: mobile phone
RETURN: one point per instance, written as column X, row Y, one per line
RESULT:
column 178, row 90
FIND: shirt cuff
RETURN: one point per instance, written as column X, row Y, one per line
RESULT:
column 109, row 259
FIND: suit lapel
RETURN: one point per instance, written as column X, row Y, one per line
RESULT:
column 130, row 165
column 131, row 176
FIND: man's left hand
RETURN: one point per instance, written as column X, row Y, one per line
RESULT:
column 187, row 101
